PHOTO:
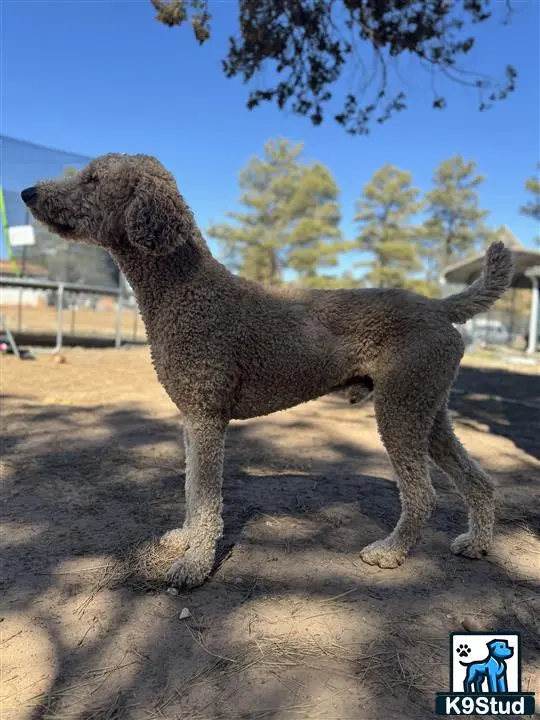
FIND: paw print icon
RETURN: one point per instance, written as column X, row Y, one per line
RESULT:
column 463, row 650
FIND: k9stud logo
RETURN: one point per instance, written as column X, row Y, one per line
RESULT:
column 485, row 676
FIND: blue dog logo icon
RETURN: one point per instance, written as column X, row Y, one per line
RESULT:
column 492, row 669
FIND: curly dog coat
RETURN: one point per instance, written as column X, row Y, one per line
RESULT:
column 224, row 347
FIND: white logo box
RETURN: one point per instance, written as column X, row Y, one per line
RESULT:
column 477, row 644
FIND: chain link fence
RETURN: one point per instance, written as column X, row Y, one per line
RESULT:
column 53, row 287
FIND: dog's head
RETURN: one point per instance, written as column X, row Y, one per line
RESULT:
column 500, row 649
column 116, row 199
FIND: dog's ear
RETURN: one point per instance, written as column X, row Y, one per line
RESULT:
column 157, row 219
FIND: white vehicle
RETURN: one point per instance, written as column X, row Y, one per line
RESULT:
column 492, row 332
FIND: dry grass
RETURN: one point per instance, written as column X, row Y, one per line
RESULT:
column 84, row 321
column 47, row 705
column 375, row 665
column 141, row 568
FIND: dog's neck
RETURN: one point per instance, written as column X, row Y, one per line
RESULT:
column 156, row 278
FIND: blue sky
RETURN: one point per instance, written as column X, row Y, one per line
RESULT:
column 91, row 77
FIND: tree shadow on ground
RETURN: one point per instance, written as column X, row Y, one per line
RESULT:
column 508, row 403
column 87, row 482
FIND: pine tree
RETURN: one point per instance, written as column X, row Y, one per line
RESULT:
column 291, row 217
column 383, row 214
column 532, row 207
column 345, row 280
column 455, row 225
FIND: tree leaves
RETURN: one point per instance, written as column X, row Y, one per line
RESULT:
column 310, row 42
column 175, row 12
column 532, row 207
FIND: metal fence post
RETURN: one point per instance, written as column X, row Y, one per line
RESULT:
column 119, row 308
column 533, row 320
column 59, row 309
column 19, row 311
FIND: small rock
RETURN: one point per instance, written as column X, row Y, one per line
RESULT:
column 471, row 624
column 172, row 591
column 58, row 358
column 185, row 614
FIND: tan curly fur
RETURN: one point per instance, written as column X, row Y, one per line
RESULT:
column 224, row 347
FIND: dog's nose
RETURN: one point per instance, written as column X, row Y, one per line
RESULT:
column 29, row 195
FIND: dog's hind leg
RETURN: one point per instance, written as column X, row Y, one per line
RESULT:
column 473, row 483
column 417, row 496
column 196, row 540
column 468, row 682
column 404, row 425
column 408, row 394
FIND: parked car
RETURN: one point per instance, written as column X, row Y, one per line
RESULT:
column 490, row 332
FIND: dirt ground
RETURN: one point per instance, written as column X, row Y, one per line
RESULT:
column 82, row 322
column 291, row 624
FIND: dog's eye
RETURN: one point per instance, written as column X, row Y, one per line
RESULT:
column 92, row 180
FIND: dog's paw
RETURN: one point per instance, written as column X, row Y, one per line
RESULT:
column 384, row 554
column 463, row 650
column 469, row 547
column 190, row 570
column 177, row 540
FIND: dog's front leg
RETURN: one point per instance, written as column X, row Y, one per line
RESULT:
column 196, row 541
column 501, row 685
column 491, row 677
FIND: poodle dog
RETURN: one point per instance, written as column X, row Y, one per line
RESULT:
column 224, row 348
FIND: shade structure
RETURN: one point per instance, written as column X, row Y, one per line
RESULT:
column 526, row 276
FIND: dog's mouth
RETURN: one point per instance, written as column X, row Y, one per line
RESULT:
column 62, row 229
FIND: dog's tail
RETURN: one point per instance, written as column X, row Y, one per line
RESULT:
column 491, row 285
